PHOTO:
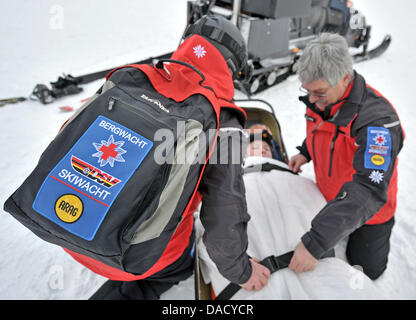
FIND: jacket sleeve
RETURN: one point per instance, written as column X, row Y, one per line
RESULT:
column 304, row 150
column 224, row 209
column 360, row 199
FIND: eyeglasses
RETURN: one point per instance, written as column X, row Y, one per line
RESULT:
column 303, row 90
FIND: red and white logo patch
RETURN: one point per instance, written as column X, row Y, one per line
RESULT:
column 379, row 139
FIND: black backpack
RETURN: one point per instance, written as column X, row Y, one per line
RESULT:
column 111, row 188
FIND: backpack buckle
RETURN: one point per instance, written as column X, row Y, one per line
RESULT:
column 159, row 66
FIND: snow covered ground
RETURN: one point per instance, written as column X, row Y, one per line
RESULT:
column 41, row 39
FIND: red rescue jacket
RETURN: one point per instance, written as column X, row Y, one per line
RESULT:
column 357, row 177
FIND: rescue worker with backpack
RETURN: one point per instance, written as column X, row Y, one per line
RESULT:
column 111, row 188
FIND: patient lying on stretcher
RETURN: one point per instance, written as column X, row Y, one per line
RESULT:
column 260, row 148
column 281, row 206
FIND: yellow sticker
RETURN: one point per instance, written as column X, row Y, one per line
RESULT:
column 69, row 208
column 377, row 160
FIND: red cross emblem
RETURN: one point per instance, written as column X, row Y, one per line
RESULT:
column 380, row 140
column 108, row 151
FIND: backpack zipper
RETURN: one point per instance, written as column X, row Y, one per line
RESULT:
column 140, row 112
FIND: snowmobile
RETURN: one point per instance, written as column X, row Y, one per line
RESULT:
column 276, row 32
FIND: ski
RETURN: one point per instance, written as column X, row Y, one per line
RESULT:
column 3, row 102
column 69, row 85
column 101, row 74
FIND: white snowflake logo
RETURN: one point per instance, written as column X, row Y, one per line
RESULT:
column 376, row 176
column 199, row 51
column 379, row 139
column 109, row 151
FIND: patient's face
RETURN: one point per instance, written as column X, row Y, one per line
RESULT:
column 259, row 148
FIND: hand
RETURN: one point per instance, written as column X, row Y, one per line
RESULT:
column 296, row 162
column 302, row 260
column 259, row 276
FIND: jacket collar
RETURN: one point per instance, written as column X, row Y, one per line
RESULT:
column 349, row 108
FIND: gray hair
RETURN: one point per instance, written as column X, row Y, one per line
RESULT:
column 326, row 57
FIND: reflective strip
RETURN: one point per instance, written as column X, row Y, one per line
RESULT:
column 229, row 129
column 171, row 194
column 393, row 124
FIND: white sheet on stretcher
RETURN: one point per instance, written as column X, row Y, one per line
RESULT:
column 281, row 206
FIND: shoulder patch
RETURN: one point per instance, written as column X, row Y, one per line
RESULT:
column 378, row 151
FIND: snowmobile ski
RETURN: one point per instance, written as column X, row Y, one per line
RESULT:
column 374, row 53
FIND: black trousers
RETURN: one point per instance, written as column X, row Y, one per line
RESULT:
column 369, row 246
column 150, row 288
